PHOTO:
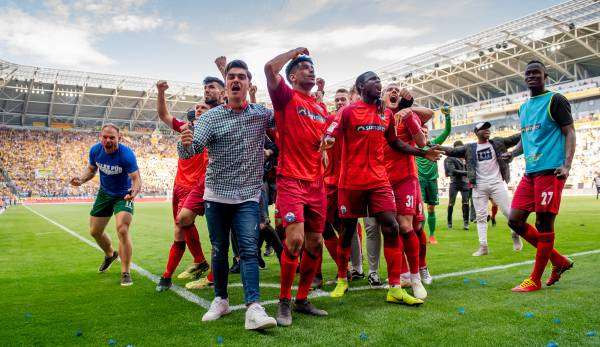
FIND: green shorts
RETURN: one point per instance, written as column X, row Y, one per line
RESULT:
column 429, row 191
column 107, row 205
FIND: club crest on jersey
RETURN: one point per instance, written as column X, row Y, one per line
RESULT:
column 343, row 209
column 370, row 127
column 302, row 111
column 290, row 217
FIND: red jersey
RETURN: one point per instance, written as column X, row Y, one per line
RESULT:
column 193, row 170
column 301, row 123
column 363, row 134
column 401, row 165
column 334, row 155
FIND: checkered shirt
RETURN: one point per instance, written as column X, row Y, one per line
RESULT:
column 235, row 142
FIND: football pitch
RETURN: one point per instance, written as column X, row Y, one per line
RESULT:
column 53, row 295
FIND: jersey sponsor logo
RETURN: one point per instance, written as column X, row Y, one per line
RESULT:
column 306, row 113
column 343, row 209
column 534, row 157
column 370, row 127
column 290, row 217
column 109, row 169
column 530, row 128
column 484, row 154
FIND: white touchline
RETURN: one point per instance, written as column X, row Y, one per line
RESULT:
column 189, row 296
column 314, row 294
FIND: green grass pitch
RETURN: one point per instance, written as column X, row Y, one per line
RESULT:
column 52, row 294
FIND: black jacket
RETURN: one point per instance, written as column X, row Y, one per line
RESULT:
column 469, row 152
column 456, row 170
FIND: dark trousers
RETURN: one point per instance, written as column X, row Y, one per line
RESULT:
column 465, row 194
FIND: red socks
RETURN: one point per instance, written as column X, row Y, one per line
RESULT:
column 422, row 248
column 343, row 257
column 193, row 242
column 411, row 248
column 289, row 263
column 392, row 251
column 544, row 249
column 308, row 266
column 210, row 277
column 331, row 244
column 494, row 211
column 531, row 235
column 175, row 254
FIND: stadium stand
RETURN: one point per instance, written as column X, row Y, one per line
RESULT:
column 50, row 116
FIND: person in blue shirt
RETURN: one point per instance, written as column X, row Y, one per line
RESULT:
column 120, row 183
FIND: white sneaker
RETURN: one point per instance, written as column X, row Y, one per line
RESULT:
column 483, row 250
column 219, row 307
column 405, row 279
column 517, row 244
column 418, row 289
column 425, row 276
column 258, row 319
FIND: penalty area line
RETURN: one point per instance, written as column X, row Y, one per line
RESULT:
column 182, row 292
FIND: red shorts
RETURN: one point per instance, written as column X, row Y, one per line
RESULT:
column 408, row 196
column 332, row 202
column 190, row 198
column 363, row 203
column 420, row 215
column 539, row 194
column 300, row 201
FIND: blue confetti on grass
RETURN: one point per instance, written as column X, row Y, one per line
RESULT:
column 556, row 321
column 461, row 310
column 591, row 333
column 79, row 333
column 482, row 282
column 363, row 336
column 528, row 314
column 466, row 280
column 129, row 345
column 219, row 340
column 552, row 344
column 112, row 342
column 28, row 315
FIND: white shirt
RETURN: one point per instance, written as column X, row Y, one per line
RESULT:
column 487, row 170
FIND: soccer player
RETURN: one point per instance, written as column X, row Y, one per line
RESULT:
column 188, row 190
column 548, row 143
column 402, row 172
column 456, row 169
column 428, row 176
column 489, row 173
column 301, row 123
column 394, row 99
column 120, row 183
column 364, row 130
column 234, row 135
column 596, row 182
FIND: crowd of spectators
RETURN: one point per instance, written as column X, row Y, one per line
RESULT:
column 40, row 163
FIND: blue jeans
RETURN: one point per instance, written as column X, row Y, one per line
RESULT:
column 242, row 219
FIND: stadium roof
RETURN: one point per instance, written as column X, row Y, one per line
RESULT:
column 42, row 96
column 490, row 64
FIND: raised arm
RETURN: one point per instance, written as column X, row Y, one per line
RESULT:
column 221, row 63
column 252, row 92
column 161, row 104
column 274, row 66
column 447, row 127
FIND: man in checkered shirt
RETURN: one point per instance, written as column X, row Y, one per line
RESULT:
column 234, row 135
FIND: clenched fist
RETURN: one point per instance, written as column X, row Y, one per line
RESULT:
column 161, row 86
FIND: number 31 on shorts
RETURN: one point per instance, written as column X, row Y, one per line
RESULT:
column 546, row 198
